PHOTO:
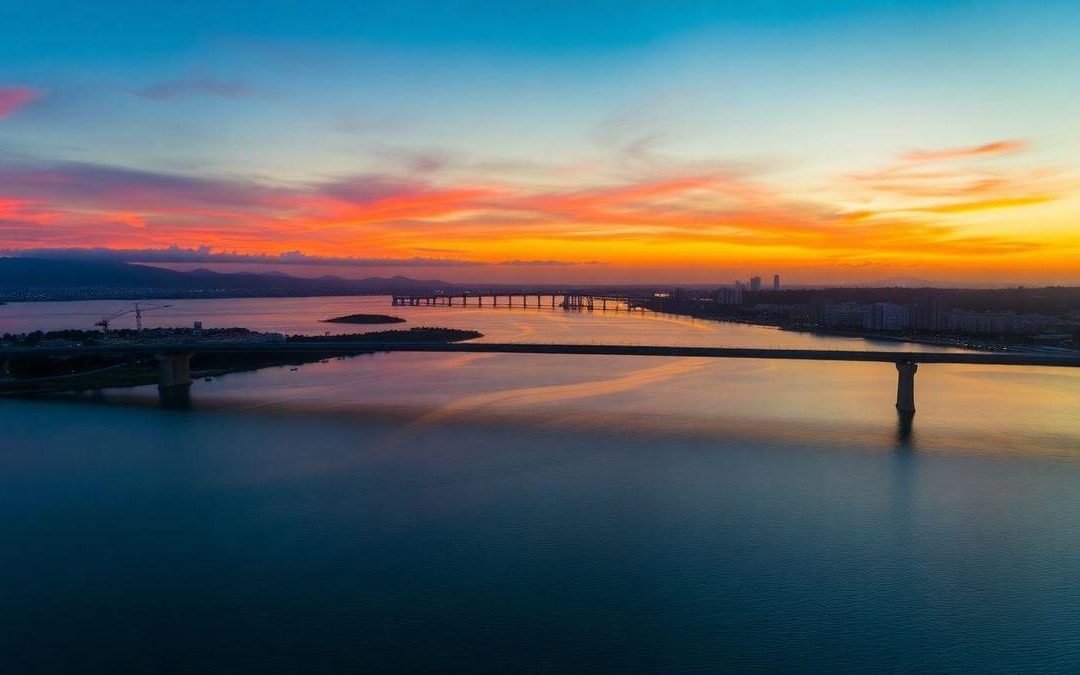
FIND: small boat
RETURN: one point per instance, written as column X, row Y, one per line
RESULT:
column 291, row 369
column 208, row 379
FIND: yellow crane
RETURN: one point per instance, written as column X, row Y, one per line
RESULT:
column 137, row 310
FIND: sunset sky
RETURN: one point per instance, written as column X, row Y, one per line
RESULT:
column 590, row 141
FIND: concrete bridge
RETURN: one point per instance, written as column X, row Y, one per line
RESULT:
column 175, row 371
column 538, row 299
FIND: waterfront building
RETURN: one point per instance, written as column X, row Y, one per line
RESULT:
column 890, row 316
column 980, row 323
column 730, row 296
column 928, row 314
column 845, row 315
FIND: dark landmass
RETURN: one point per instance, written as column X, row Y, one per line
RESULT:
column 56, row 279
column 365, row 319
column 1041, row 319
column 1052, row 300
column 30, row 374
column 1002, row 318
column 43, row 279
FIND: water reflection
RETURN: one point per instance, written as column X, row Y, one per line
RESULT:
column 306, row 315
column 407, row 422
column 904, row 426
column 961, row 408
column 426, row 512
column 175, row 398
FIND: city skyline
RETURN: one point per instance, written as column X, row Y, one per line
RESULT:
column 609, row 143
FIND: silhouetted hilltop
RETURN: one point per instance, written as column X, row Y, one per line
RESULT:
column 55, row 273
column 45, row 278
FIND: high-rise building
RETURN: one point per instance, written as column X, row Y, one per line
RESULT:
column 890, row 316
column 776, row 282
column 755, row 283
column 730, row 296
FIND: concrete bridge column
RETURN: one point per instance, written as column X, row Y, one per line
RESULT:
column 175, row 370
column 905, row 386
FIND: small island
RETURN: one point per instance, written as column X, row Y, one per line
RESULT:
column 417, row 334
column 365, row 319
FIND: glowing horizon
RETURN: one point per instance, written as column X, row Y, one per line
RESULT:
column 853, row 142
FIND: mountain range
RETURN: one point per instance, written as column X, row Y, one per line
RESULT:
column 43, row 275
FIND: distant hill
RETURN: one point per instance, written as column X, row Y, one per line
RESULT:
column 47, row 273
column 904, row 282
column 109, row 279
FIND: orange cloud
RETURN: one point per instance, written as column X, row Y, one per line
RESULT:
column 964, row 152
column 702, row 220
column 906, row 187
column 987, row 204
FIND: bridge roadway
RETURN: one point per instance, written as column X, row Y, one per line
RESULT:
column 175, row 372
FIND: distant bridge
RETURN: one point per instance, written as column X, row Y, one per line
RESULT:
column 538, row 299
column 175, row 372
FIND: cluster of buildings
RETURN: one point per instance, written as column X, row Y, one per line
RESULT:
column 887, row 316
column 733, row 295
column 1048, row 317
column 926, row 317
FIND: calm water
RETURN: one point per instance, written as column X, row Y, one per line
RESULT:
column 498, row 512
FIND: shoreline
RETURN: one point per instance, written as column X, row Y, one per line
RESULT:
column 125, row 373
column 952, row 342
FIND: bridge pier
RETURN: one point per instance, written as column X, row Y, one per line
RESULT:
column 175, row 368
column 905, row 386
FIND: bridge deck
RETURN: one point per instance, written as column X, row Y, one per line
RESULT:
column 980, row 358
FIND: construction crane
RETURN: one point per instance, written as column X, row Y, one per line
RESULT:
column 136, row 310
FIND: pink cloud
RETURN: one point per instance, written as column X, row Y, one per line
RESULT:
column 965, row 152
column 13, row 98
